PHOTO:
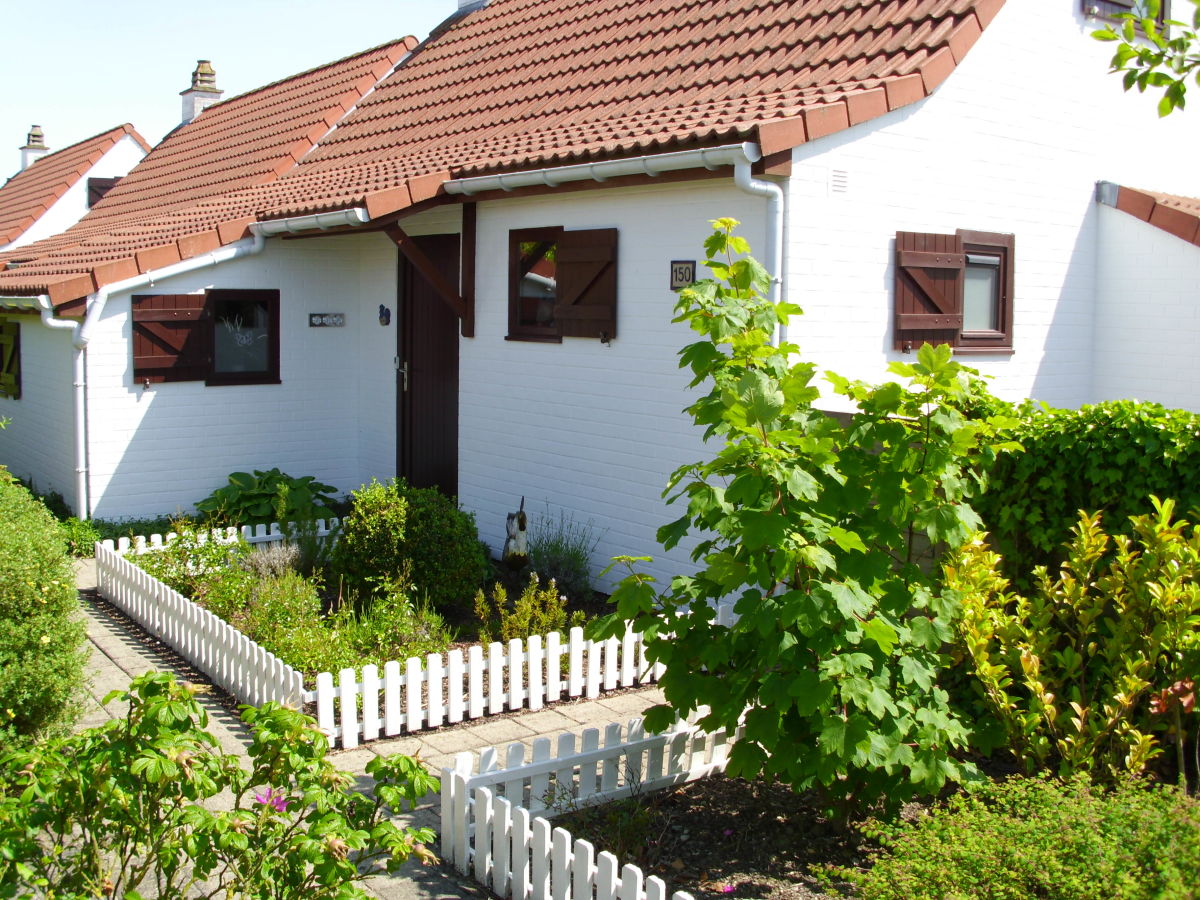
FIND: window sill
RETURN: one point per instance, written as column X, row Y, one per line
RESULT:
column 535, row 338
column 218, row 381
column 983, row 351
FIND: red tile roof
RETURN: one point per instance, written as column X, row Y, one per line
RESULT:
column 510, row 86
column 1179, row 216
column 26, row 196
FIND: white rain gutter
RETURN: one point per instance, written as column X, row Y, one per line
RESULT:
column 740, row 156
column 82, row 331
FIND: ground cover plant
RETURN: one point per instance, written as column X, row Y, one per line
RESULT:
column 1040, row 838
column 1093, row 670
column 814, row 526
column 41, row 632
column 127, row 809
column 259, row 498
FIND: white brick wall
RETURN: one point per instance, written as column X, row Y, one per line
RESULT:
column 581, row 427
column 39, row 441
column 158, row 450
column 1148, row 314
column 1013, row 141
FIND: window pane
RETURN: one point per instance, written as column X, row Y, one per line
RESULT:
column 241, row 341
column 981, row 298
column 537, row 289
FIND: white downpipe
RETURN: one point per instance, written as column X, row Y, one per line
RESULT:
column 774, row 261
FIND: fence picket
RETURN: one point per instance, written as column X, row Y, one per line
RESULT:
column 516, row 674
column 539, row 785
column 628, row 659
column 475, row 667
column 564, row 777
column 587, row 770
column 412, row 694
column 575, row 662
column 583, row 871
column 554, row 685
column 495, row 678
column 454, row 687
column 519, row 861
column 392, row 723
column 560, row 865
column 501, row 844
column 611, row 768
column 612, row 672
column 539, row 883
column 514, row 788
column 348, row 707
column 435, row 686
column 370, row 702
column 483, row 835
column 631, row 883
column 536, row 696
column 594, row 658
column 606, row 876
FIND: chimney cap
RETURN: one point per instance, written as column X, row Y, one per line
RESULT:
column 204, row 78
column 35, row 140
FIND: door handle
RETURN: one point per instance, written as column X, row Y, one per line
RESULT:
column 402, row 369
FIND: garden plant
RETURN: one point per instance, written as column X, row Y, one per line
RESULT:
column 129, row 809
column 41, row 631
column 1094, row 669
column 816, row 528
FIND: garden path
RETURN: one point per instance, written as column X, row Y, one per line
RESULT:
column 120, row 650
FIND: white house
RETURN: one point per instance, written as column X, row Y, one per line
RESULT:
column 53, row 191
column 353, row 302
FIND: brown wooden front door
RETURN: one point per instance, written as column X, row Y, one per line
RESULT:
column 427, row 380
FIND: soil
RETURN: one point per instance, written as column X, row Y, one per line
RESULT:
column 725, row 837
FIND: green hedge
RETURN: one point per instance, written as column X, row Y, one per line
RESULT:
column 1108, row 457
column 41, row 631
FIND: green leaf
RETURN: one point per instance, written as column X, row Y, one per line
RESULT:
column 881, row 633
column 833, row 736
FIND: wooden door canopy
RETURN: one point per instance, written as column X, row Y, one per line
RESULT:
column 425, row 266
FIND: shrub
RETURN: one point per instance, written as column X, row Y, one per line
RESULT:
column 271, row 560
column 254, row 499
column 395, row 531
column 81, row 536
column 811, row 525
column 392, row 626
column 1108, row 457
column 1028, row 838
column 539, row 610
column 560, row 550
column 283, row 614
column 1070, row 670
column 41, row 633
column 125, row 810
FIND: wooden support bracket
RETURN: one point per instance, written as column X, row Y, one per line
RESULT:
column 436, row 279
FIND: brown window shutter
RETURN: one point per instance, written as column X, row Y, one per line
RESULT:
column 587, row 284
column 929, row 288
column 97, row 188
column 172, row 340
column 10, row 359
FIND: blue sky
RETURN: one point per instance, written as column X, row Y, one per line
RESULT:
column 80, row 67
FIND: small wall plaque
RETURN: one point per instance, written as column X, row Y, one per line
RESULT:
column 326, row 320
column 683, row 273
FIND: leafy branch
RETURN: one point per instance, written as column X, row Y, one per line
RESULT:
column 1163, row 57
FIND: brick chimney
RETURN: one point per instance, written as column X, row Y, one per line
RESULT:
column 35, row 147
column 203, row 93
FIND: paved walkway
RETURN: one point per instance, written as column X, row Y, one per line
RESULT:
column 121, row 650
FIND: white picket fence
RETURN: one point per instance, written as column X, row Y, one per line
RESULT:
column 492, row 830
column 213, row 646
column 365, row 704
column 444, row 689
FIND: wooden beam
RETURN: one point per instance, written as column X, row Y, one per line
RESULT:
column 467, row 268
column 428, row 270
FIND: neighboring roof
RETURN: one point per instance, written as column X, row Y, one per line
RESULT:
column 28, row 195
column 509, row 86
column 1176, row 215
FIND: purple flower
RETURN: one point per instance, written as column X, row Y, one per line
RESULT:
column 727, row 889
column 727, row 832
column 277, row 800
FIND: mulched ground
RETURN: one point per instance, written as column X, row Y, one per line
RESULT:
column 725, row 837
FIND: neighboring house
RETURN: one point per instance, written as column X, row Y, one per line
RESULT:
column 53, row 191
column 346, row 273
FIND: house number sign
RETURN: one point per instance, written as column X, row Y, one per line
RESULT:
column 326, row 320
column 683, row 273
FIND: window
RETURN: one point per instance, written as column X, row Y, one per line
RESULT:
column 954, row 289
column 222, row 337
column 10, row 359
column 1109, row 9
column 562, row 284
